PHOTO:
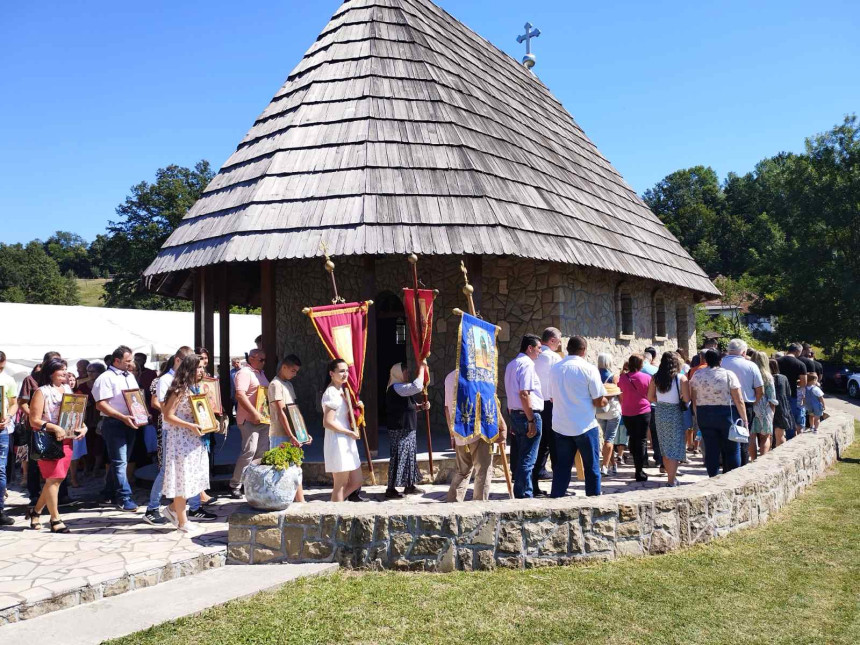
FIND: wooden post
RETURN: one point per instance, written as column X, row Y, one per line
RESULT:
column 224, row 334
column 371, row 397
column 204, row 311
column 267, row 305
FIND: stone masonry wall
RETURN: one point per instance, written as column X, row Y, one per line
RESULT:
column 534, row 533
column 522, row 296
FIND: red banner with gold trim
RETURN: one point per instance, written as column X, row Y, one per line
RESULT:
column 421, row 343
column 343, row 331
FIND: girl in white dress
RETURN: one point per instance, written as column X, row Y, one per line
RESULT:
column 184, row 458
column 340, row 448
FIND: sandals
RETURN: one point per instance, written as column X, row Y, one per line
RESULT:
column 33, row 516
column 57, row 523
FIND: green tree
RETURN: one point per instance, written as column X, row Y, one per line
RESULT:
column 815, row 272
column 101, row 264
column 69, row 250
column 28, row 274
column 690, row 203
column 146, row 218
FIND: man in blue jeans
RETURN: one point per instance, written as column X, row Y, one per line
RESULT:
column 525, row 403
column 577, row 392
column 119, row 429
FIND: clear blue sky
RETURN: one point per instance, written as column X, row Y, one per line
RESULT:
column 97, row 95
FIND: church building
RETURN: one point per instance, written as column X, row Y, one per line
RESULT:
column 403, row 131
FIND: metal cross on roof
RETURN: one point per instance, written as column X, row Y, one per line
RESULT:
column 531, row 32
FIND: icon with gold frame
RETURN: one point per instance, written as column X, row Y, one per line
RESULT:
column 297, row 423
column 261, row 403
column 134, row 401
column 72, row 411
column 203, row 415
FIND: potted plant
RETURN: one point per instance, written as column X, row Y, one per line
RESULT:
column 271, row 485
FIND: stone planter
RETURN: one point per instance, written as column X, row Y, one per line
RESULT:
column 269, row 489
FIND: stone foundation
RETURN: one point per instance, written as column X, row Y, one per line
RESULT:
column 533, row 533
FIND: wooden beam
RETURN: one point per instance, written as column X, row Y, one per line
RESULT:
column 204, row 310
column 269, row 316
column 224, row 334
column 371, row 367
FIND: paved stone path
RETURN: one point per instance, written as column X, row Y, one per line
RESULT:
column 110, row 551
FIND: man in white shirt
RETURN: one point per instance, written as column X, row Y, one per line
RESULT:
column 119, row 429
column 577, row 393
column 752, row 385
column 472, row 452
column 550, row 343
column 525, row 404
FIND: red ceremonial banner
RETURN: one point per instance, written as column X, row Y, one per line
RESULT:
column 343, row 331
column 420, row 343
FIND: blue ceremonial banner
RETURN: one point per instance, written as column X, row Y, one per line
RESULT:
column 477, row 411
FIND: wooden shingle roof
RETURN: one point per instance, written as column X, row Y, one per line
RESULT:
column 401, row 130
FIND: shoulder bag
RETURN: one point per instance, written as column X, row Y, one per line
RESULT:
column 682, row 404
column 44, row 446
column 612, row 409
column 737, row 431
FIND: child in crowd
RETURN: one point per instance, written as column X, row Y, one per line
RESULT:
column 814, row 400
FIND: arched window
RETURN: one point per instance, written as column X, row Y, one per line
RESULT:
column 624, row 311
column 658, row 314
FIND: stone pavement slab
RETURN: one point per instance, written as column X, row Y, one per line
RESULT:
column 122, row 615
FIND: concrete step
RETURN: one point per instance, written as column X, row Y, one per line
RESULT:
column 131, row 612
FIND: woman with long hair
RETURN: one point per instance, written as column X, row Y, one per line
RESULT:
column 765, row 408
column 717, row 403
column 186, row 464
column 669, row 391
column 339, row 447
column 45, row 417
column 636, row 411
column 782, row 415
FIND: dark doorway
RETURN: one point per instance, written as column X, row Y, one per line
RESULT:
column 391, row 342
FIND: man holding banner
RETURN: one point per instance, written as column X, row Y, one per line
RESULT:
column 472, row 407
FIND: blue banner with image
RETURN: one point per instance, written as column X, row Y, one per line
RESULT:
column 477, row 412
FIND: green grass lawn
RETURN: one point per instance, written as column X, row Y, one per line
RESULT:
column 795, row 580
column 91, row 292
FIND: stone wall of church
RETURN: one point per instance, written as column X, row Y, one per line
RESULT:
column 522, row 296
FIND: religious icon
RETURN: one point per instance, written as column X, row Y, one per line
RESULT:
column 297, row 423
column 342, row 336
column 211, row 388
column 72, row 410
column 136, row 406
column 262, row 405
column 483, row 348
column 203, row 415
column 4, row 403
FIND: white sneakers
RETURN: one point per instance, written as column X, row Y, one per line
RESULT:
column 189, row 528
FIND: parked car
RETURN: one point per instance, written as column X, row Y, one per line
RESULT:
column 854, row 386
column 836, row 376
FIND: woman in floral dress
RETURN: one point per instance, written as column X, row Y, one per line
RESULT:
column 765, row 407
column 186, row 463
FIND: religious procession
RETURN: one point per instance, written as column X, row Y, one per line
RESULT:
column 562, row 412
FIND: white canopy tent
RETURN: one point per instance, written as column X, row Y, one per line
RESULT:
column 28, row 331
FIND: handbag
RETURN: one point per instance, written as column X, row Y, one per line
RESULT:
column 45, row 447
column 737, row 431
column 22, row 431
column 612, row 409
column 682, row 404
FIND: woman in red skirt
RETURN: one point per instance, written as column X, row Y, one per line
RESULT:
column 44, row 417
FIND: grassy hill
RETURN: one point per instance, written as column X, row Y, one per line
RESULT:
column 91, row 292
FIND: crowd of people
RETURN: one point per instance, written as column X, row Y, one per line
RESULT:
column 731, row 406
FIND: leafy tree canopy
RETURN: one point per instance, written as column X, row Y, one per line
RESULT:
column 28, row 274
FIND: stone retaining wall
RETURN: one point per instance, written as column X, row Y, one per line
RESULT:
column 540, row 532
